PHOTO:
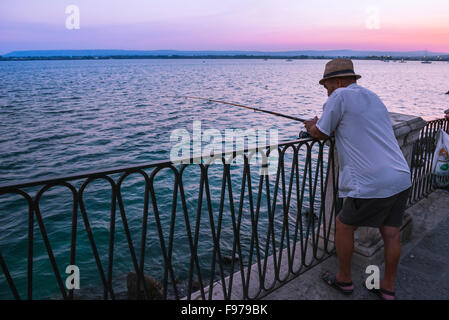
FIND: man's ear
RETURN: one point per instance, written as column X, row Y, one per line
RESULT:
column 339, row 82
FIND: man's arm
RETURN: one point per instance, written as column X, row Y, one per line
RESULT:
column 313, row 130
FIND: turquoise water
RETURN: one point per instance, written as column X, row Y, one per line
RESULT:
column 65, row 117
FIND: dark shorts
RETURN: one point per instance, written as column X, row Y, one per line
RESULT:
column 374, row 212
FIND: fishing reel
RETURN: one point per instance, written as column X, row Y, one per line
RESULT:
column 304, row 135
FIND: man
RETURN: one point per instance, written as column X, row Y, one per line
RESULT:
column 374, row 177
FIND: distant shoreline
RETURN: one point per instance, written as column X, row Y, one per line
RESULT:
column 214, row 57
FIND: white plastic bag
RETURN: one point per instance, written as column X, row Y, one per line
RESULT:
column 440, row 164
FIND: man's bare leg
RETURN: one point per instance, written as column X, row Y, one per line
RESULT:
column 392, row 252
column 345, row 247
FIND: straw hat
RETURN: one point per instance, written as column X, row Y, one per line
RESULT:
column 337, row 68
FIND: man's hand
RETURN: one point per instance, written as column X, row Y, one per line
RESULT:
column 313, row 130
column 310, row 123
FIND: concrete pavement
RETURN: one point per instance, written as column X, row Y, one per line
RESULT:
column 423, row 270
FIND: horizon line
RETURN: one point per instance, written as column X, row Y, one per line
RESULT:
column 232, row 50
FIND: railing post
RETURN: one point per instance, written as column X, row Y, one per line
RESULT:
column 327, row 235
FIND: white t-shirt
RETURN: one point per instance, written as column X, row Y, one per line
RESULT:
column 371, row 164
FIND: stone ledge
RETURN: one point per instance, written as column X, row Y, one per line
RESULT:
column 403, row 124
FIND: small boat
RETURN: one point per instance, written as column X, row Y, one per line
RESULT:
column 402, row 61
column 426, row 62
column 289, row 60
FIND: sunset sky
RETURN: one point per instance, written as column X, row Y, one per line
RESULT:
column 268, row 25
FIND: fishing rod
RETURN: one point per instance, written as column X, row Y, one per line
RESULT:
column 302, row 134
column 242, row 106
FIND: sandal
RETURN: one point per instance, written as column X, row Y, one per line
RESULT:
column 381, row 293
column 331, row 281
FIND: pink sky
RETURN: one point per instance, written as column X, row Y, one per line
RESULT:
column 270, row 25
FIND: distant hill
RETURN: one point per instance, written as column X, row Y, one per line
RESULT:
column 312, row 53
